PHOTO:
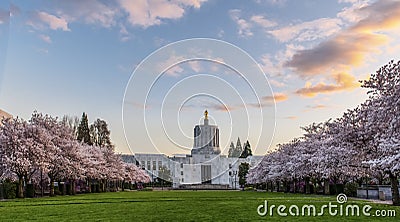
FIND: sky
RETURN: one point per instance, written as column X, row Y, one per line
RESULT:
column 262, row 68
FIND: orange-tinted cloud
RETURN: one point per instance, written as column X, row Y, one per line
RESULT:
column 222, row 107
column 347, row 49
column 277, row 97
column 343, row 81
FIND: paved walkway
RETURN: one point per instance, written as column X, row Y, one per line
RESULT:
column 389, row 202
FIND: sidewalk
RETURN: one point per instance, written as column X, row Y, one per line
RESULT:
column 388, row 202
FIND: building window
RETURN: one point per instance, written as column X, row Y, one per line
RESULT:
column 181, row 165
column 230, row 166
column 182, row 179
column 182, row 173
column 154, row 165
column 143, row 163
column 148, row 165
column 159, row 165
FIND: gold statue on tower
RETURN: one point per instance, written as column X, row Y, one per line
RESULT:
column 206, row 114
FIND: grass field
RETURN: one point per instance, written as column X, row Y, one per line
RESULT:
column 172, row 206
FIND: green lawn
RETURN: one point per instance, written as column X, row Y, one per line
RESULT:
column 171, row 206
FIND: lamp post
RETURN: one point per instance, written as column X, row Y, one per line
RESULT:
column 152, row 179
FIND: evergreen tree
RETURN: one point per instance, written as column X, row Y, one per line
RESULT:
column 100, row 134
column 247, row 150
column 231, row 152
column 238, row 149
column 83, row 134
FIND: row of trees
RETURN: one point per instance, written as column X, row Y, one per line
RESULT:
column 364, row 142
column 46, row 149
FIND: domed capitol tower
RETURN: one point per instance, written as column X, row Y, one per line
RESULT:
column 206, row 138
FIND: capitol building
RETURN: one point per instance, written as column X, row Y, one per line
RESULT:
column 205, row 167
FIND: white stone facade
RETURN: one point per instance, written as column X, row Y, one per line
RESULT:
column 205, row 165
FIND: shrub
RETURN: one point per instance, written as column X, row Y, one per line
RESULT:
column 68, row 188
column 30, row 190
column 57, row 190
column 350, row 189
column 9, row 189
column 61, row 188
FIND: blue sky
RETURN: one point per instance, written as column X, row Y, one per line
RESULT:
column 67, row 57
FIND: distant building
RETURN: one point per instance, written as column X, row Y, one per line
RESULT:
column 205, row 165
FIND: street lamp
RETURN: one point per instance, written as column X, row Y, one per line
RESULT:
column 152, row 179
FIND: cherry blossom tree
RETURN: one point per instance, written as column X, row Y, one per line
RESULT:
column 19, row 151
column 135, row 174
column 384, row 104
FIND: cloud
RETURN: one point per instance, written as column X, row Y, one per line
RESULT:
column 307, row 31
column 101, row 13
column 319, row 106
column 343, row 81
column 194, row 65
column 277, row 97
column 45, row 38
column 53, row 21
column 173, row 70
column 144, row 13
column 350, row 46
column 272, row 2
column 270, row 66
column 273, row 65
column 276, row 83
column 244, row 27
column 124, row 34
column 147, row 13
column 347, row 49
column 209, row 104
column 222, row 107
column 262, row 21
column 42, row 20
column 311, row 108
column 353, row 14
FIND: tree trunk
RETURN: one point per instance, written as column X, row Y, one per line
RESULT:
column 21, row 187
column 73, row 188
column 307, row 185
column 395, row 189
column 286, row 187
column 89, row 182
column 326, row 187
column 277, row 186
column 51, row 186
